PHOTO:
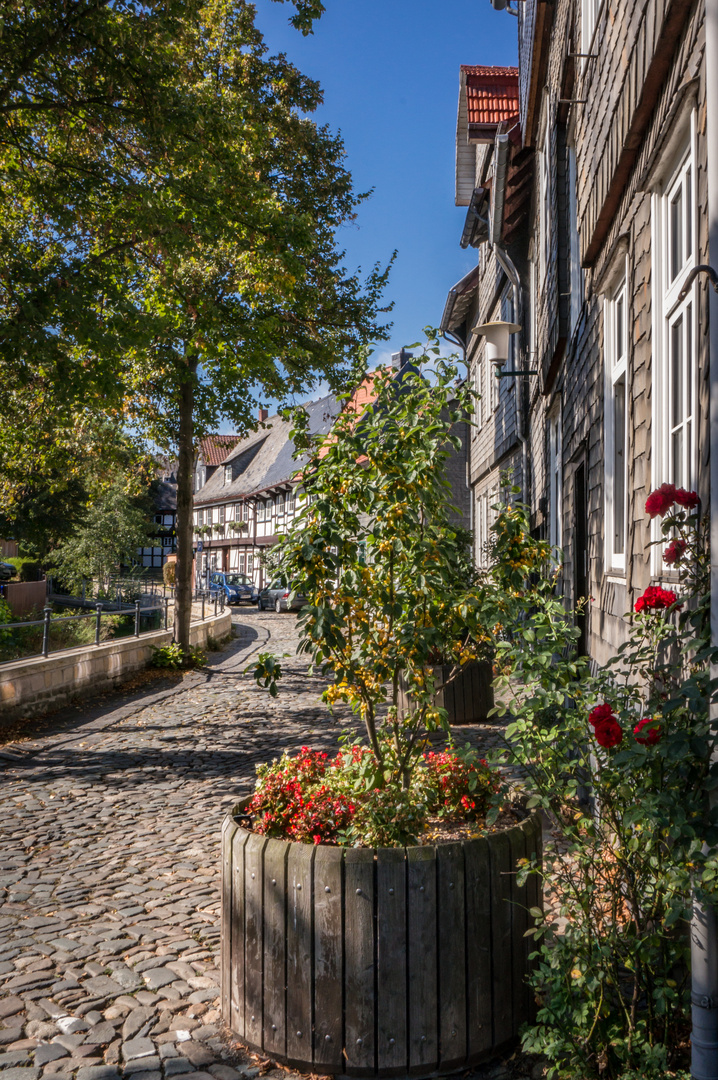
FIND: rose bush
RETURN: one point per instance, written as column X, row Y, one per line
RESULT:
column 621, row 761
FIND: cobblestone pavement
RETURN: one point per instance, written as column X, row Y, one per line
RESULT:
column 109, row 870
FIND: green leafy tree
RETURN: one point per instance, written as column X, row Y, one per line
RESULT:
column 115, row 526
column 168, row 240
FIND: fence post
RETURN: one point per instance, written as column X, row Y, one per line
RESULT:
column 97, row 624
column 166, row 606
column 46, row 631
column 137, row 618
column 216, row 598
column 202, row 607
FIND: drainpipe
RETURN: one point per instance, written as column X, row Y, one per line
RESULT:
column 704, row 927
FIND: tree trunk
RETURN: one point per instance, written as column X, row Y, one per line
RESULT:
column 185, row 472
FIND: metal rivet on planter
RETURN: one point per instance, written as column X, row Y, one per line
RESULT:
column 391, row 1042
column 252, row 1019
column 359, row 1042
column 358, row 892
column 453, row 1033
column 327, row 889
column 423, row 1038
column 299, row 1034
column 451, row 884
column 327, row 1038
column 274, row 1028
column 421, row 887
column 274, row 882
column 252, row 875
column 299, row 886
column 391, row 892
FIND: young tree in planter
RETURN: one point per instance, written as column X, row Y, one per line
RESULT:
column 388, row 573
column 168, row 234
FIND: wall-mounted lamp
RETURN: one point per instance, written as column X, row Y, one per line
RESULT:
column 497, row 336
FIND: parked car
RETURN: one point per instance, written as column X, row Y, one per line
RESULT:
column 237, row 588
column 7, row 570
column 276, row 596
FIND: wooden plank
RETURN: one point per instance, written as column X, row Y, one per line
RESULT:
column 299, row 954
column 274, row 1010
column 236, row 1008
column 253, row 947
column 422, row 966
column 452, row 955
column 328, row 966
column 534, row 848
column 479, row 934
column 500, row 855
column 392, row 1057
column 229, row 828
column 359, row 964
column 520, row 924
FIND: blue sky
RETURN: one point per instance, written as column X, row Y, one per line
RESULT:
column 390, row 74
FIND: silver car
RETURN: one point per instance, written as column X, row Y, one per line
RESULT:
column 276, row 596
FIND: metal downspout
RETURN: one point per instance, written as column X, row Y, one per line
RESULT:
column 704, row 927
column 513, row 275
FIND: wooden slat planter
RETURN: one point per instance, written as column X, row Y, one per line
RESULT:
column 385, row 962
column 468, row 699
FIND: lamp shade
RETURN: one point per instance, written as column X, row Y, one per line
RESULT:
column 497, row 339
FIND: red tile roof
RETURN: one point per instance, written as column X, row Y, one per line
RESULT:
column 492, row 95
column 214, row 448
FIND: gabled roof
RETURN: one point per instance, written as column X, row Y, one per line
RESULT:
column 213, row 449
column 492, row 97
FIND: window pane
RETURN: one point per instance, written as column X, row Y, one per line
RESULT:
column 676, row 233
column 677, row 451
column 619, row 465
column 620, row 343
column 689, row 214
column 677, row 372
column 689, row 360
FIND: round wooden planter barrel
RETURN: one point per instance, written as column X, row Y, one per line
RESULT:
column 380, row 962
column 468, row 698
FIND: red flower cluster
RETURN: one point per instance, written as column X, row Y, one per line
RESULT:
column 456, row 788
column 648, row 731
column 654, row 598
column 674, row 552
column 606, row 728
column 284, row 808
column 660, row 501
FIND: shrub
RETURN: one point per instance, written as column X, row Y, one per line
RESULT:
column 30, row 570
column 172, row 656
column 169, row 573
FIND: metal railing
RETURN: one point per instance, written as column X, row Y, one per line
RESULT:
column 101, row 611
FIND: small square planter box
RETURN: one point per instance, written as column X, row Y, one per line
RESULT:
column 386, row 962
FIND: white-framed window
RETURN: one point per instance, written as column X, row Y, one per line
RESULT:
column 289, row 502
column 208, row 515
column 575, row 272
column 508, row 315
column 280, row 506
column 615, row 354
column 675, row 330
column 241, row 562
column 555, row 484
column 260, row 510
column 222, row 515
column 200, row 517
column 228, row 474
column 545, row 196
column 250, row 564
column 589, row 18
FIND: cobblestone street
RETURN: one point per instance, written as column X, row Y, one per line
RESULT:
column 109, row 868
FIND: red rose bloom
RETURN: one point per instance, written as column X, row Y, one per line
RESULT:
column 689, row 499
column 654, row 598
column 674, row 552
column 648, row 731
column 660, row 501
column 608, row 733
column 600, row 713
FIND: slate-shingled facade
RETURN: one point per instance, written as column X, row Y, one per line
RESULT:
column 612, row 137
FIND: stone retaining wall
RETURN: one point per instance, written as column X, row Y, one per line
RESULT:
column 32, row 686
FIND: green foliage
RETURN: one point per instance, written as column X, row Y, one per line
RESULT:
column 390, row 583
column 172, row 656
column 169, row 573
column 65, row 632
column 114, row 528
column 29, row 570
column 625, row 787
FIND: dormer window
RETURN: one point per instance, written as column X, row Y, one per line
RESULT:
column 228, row 474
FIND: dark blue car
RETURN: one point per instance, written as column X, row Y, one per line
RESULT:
column 237, row 588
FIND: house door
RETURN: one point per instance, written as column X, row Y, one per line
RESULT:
column 580, row 558
column 225, row 559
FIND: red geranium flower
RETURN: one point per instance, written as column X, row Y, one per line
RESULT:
column 674, row 552
column 600, row 713
column 660, row 501
column 654, row 598
column 652, row 729
column 608, row 733
column 689, row 499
